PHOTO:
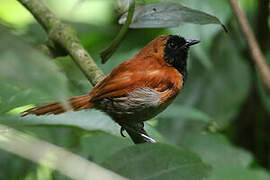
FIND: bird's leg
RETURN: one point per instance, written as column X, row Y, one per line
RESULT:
column 137, row 130
column 122, row 129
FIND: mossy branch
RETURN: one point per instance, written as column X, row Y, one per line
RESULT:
column 64, row 36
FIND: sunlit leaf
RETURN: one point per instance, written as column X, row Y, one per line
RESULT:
column 26, row 75
column 168, row 14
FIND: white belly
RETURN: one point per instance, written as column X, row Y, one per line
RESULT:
column 138, row 106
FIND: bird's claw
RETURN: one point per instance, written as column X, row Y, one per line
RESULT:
column 121, row 131
column 147, row 138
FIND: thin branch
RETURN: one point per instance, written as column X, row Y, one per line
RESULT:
column 254, row 48
column 64, row 38
column 41, row 13
column 52, row 156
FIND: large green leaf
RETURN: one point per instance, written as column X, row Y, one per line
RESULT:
column 26, row 75
column 167, row 14
column 89, row 120
column 177, row 119
column 11, row 96
column 95, row 147
column 216, row 150
column 220, row 9
column 157, row 161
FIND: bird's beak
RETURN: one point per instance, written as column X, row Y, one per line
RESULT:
column 190, row 42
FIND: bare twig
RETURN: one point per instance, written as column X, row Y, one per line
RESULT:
column 65, row 38
column 255, row 50
column 52, row 156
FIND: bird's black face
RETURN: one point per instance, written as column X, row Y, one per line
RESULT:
column 176, row 53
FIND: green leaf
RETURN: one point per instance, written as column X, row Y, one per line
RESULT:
column 240, row 173
column 220, row 9
column 185, row 112
column 96, row 146
column 89, row 120
column 176, row 120
column 228, row 162
column 216, row 150
column 26, row 75
column 12, row 96
column 168, row 14
column 157, row 162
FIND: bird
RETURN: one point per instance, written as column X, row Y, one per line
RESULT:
column 139, row 88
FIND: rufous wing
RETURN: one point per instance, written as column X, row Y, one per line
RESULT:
column 138, row 74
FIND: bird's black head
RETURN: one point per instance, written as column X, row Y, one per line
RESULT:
column 176, row 53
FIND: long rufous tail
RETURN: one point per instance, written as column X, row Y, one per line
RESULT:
column 76, row 103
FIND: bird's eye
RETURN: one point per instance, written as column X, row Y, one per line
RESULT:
column 172, row 45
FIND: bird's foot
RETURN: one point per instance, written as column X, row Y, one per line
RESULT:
column 121, row 131
column 139, row 131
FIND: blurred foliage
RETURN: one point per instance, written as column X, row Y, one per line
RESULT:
column 220, row 119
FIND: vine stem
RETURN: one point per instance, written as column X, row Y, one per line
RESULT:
column 108, row 52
